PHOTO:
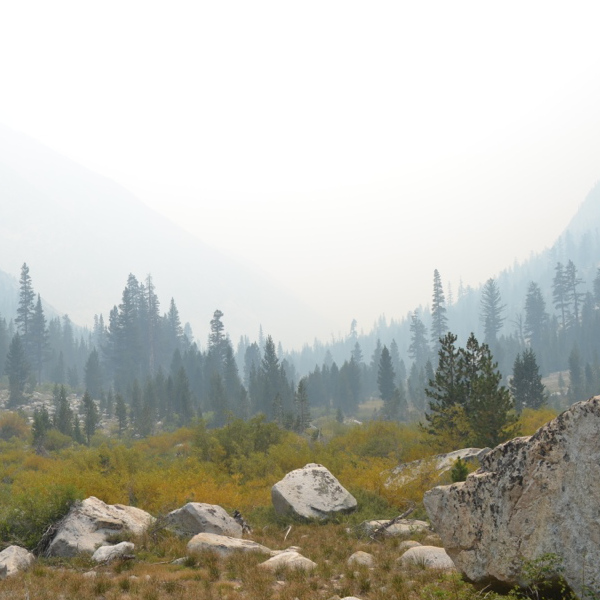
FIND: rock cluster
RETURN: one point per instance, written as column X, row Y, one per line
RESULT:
column 532, row 496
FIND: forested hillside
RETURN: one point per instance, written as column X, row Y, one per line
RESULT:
column 143, row 368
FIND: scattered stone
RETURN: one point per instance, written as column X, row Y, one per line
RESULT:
column 14, row 559
column 430, row 557
column 197, row 517
column 404, row 527
column 311, row 493
column 361, row 558
column 290, row 560
column 109, row 553
column 532, row 496
column 223, row 544
column 179, row 561
column 90, row 522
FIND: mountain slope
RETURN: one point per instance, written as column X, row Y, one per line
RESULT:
column 82, row 234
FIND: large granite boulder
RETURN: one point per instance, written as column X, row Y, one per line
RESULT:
column 89, row 523
column 14, row 559
column 532, row 496
column 197, row 517
column 311, row 493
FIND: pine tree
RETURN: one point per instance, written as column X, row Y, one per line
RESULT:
column 25, row 310
column 302, row 407
column 439, row 321
column 572, row 281
column 560, row 293
column 216, row 338
column 385, row 377
column 91, row 417
column 490, row 409
column 77, row 433
column 445, row 416
column 536, row 317
column 418, row 349
column 491, row 311
column 218, row 400
column 17, row 368
column 121, row 413
column 357, row 354
column 93, row 375
column 63, row 417
column 526, row 383
column 39, row 339
column 467, row 403
column 40, row 427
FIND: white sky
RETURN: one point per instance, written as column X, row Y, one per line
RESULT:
column 347, row 148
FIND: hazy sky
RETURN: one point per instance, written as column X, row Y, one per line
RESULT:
column 346, row 148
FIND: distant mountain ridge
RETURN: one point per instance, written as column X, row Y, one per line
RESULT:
column 81, row 235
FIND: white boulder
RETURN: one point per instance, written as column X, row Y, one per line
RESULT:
column 532, row 496
column 311, row 492
column 108, row 553
column 289, row 559
column 361, row 558
column 90, row 522
column 223, row 544
column 430, row 557
column 197, row 517
column 14, row 559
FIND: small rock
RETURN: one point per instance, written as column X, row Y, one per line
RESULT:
column 291, row 560
column 223, row 544
column 430, row 557
column 109, row 553
column 404, row 527
column 361, row 558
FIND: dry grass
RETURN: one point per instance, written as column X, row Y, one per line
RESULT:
column 151, row 576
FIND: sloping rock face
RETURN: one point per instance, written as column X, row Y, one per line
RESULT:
column 442, row 463
column 531, row 496
column 197, row 517
column 311, row 493
column 14, row 559
column 289, row 559
column 91, row 521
